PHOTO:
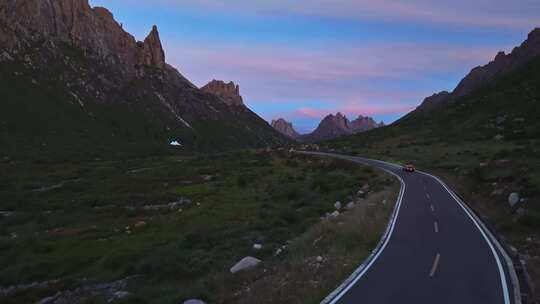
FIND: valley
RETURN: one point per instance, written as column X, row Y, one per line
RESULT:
column 125, row 180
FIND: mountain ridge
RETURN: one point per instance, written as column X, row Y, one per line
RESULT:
column 481, row 76
column 82, row 59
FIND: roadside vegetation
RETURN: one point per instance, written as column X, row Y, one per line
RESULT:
column 486, row 146
column 167, row 229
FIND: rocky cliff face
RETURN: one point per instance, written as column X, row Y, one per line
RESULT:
column 83, row 56
column 502, row 64
column 333, row 126
column 480, row 76
column 285, row 128
column 93, row 30
column 364, row 123
column 229, row 92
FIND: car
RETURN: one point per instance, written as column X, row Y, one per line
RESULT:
column 409, row 168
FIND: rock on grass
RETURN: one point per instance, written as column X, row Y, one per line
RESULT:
column 245, row 263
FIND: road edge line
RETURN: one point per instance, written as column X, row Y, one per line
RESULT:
column 334, row 296
column 492, row 240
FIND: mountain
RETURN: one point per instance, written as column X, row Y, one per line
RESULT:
column 229, row 92
column 334, row 126
column 363, row 124
column 74, row 82
column 481, row 76
column 285, row 128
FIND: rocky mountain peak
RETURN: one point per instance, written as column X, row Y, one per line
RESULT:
column 338, row 121
column 228, row 92
column 152, row 51
column 534, row 34
column 364, row 123
column 500, row 55
column 74, row 22
column 285, row 127
column 333, row 126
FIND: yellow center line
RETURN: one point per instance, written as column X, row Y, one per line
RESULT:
column 435, row 265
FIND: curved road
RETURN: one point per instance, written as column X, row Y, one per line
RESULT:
column 435, row 250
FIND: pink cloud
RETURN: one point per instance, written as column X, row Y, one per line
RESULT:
column 340, row 73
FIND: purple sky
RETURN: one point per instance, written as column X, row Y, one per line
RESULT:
column 303, row 59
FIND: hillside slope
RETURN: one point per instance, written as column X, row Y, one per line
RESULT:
column 481, row 76
column 76, row 83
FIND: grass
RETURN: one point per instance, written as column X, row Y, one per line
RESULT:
column 79, row 223
column 341, row 242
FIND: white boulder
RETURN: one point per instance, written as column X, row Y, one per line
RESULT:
column 337, row 205
column 245, row 263
column 513, row 198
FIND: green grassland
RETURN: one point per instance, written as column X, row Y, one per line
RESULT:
column 80, row 223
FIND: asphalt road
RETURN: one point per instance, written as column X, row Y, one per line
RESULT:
column 435, row 251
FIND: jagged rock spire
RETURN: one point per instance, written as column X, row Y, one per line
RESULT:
column 152, row 53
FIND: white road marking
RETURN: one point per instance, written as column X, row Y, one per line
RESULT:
column 435, row 265
column 436, row 227
column 506, row 295
column 428, row 196
column 432, row 208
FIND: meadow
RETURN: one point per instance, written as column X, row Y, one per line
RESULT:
column 166, row 229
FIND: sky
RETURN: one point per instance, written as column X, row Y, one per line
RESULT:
column 304, row 59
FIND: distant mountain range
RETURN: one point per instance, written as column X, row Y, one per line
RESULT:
column 73, row 78
column 332, row 126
